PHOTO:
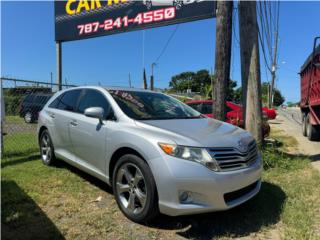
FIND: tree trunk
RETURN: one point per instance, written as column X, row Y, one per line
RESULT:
column 250, row 68
column 222, row 58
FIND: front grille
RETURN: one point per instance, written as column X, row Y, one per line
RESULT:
column 231, row 196
column 232, row 159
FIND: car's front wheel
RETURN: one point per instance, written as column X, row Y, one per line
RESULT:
column 28, row 117
column 46, row 148
column 135, row 189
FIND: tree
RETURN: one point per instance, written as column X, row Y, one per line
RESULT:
column 222, row 57
column 190, row 80
column 250, row 68
column 278, row 99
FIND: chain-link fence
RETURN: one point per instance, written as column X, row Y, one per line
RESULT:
column 21, row 102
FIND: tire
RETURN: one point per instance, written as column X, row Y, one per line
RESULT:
column 312, row 132
column 304, row 125
column 28, row 117
column 46, row 149
column 149, row 4
column 178, row 4
column 132, row 178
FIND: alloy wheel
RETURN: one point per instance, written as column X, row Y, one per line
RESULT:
column 131, row 188
column 28, row 117
column 46, row 151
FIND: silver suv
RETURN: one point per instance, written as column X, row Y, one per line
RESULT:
column 158, row 154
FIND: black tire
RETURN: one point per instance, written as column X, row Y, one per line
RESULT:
column 47, row 156
column 28, row 117
column 142, row 211
column 178, row 4
column 149, row 4
column 304, row 125
column 312, row 132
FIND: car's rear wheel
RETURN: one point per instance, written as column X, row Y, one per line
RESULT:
column 28, row 117
column 312, row 132
column 178, row 4
column 46, row 148
column 135, row 189
column 149, row 4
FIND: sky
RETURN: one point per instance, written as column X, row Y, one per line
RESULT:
column 28, row 49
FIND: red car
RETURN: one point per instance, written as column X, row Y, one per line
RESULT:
column 234, row 113
column 271, row 113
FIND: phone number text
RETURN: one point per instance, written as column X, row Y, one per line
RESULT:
column 120, row 22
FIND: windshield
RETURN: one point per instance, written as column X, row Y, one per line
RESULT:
column 152, row 106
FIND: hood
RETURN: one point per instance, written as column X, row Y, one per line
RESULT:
column 204, row 132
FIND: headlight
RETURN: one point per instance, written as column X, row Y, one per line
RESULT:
column 195, row 154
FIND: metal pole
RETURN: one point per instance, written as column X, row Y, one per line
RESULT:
column 2, row 117
column 59, row 64
column 51, row 81
column 130, row 81
column 152, row 77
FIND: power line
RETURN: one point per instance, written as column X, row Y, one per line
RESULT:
column 167, row 43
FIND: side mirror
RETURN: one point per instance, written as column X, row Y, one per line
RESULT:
column 95, row 112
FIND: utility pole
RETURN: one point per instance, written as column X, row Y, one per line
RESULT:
column 152, row 76
column 129, row 80
column 59, row 64
column 273, row 69
column 250, row 68
column 145, row 85
column 51, row 77
column 222, row 58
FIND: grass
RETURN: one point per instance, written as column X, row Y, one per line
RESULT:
column 59, row 202
column 14, row 119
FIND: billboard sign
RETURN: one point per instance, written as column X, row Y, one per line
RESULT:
column 75, row 20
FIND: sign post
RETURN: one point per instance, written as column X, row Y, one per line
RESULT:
column 59, row 64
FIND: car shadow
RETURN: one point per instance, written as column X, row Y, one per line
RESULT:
column 261, row 211
column 93, row 180
column 315, row 157
column 7, row 163
column 22, row 218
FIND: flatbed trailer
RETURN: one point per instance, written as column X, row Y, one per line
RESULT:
column 310, row 94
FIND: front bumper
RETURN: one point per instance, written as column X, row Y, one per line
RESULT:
column 209, row 191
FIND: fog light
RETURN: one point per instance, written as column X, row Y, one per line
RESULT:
column 185, row 197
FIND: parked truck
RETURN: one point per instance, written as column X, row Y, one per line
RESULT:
column 310, row 93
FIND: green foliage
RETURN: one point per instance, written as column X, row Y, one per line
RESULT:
column 12, row 103
column 200, row 81
column 278, row 99
column 273, row 158
column 190, row 80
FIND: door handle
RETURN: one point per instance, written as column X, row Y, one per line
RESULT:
column 74, row 123
column 52, row 115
